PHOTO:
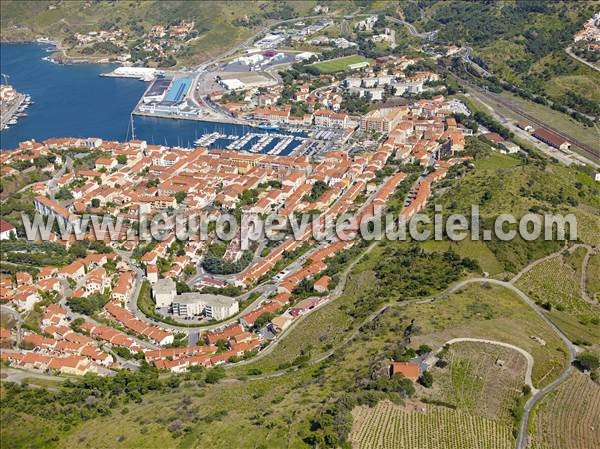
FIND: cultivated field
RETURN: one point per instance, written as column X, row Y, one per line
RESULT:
column 569, row 417
column 339, row 64
column 555, row 281
column 494, row 313
column 593, row 277
column 481, row 379
column 388, row 426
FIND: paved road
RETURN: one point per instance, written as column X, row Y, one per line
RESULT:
column 583, row 61
column 537, row 394
column 53, row 182
column 570, row 250
column 17, row 376
column 584, row 274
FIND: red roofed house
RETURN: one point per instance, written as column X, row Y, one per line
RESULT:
column 410, row 370
column 322, row 285
column 6, row 230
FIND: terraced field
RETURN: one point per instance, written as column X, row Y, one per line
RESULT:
column 593, row 277
column 555, row 281
column 388, row 426
column 568, row 418
column 481, row 379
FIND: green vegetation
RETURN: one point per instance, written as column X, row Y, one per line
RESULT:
column 339, row 64
column 523, row 45
column 552, row 428
column 88, row 305
column 213, row 261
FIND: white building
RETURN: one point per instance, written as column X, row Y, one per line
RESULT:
column 6, row 230
column 216, row 307
column 304, row 56
column 164, row 292
column 233, row 84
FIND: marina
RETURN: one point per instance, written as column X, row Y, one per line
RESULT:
column 76, row 101
column 253, row 142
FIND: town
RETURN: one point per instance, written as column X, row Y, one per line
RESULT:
column 184, row 303
column 323, row 143
column 317, row 224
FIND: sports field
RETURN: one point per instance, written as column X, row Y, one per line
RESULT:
column 339, row 64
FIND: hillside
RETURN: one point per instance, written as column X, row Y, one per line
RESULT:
column 218, row 26
column 523, row 44
column 292, row 398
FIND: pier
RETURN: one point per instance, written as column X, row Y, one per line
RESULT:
column 11, row 110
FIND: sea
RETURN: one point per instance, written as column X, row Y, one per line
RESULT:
column 73, row 100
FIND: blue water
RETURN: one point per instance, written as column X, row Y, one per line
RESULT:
column 74, row 101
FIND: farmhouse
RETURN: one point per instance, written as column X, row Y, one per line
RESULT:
column 410, row 370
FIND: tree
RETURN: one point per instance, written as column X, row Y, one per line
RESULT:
column 426, row 379
column 180, row 196
column 122, row 159
column 95, row 202
column 214, row 375
column 423, row 349
column 588, row 361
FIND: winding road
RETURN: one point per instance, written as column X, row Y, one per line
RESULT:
column 537, row 395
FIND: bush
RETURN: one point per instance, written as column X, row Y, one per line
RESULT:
column 587, row 361
column 426, row 379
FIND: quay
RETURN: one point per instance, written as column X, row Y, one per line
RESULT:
column 11, row 109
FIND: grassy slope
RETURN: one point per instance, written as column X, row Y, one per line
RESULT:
column 235, row 414
column 214, row 20
column 506, row 53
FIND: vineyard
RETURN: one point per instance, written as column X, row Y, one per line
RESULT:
column 388, row 426
column 481, row 379
column 588, row 227
column 495, row 313
column 569, row 417
column 593, row 277
column 556, row 282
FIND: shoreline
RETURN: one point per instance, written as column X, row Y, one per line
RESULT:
column 224, row 120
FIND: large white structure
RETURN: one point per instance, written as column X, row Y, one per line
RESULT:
column 304, row 56
column 216, row 307
column 164, row 292
column 233, row 84
column 250, row 60
column 142, row 73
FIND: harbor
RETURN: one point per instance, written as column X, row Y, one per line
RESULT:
column 13, row 105
column 253, row 142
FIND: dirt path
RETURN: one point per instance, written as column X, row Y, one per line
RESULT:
column 521, row 351
column 584, row 269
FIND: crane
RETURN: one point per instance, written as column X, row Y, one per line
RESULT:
column 6, row 77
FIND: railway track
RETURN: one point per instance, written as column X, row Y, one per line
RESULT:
column 587, row 150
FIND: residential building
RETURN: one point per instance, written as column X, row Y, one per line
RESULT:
column 216, row 307
column 164, row 292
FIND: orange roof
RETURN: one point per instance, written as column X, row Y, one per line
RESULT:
column 410, row 370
